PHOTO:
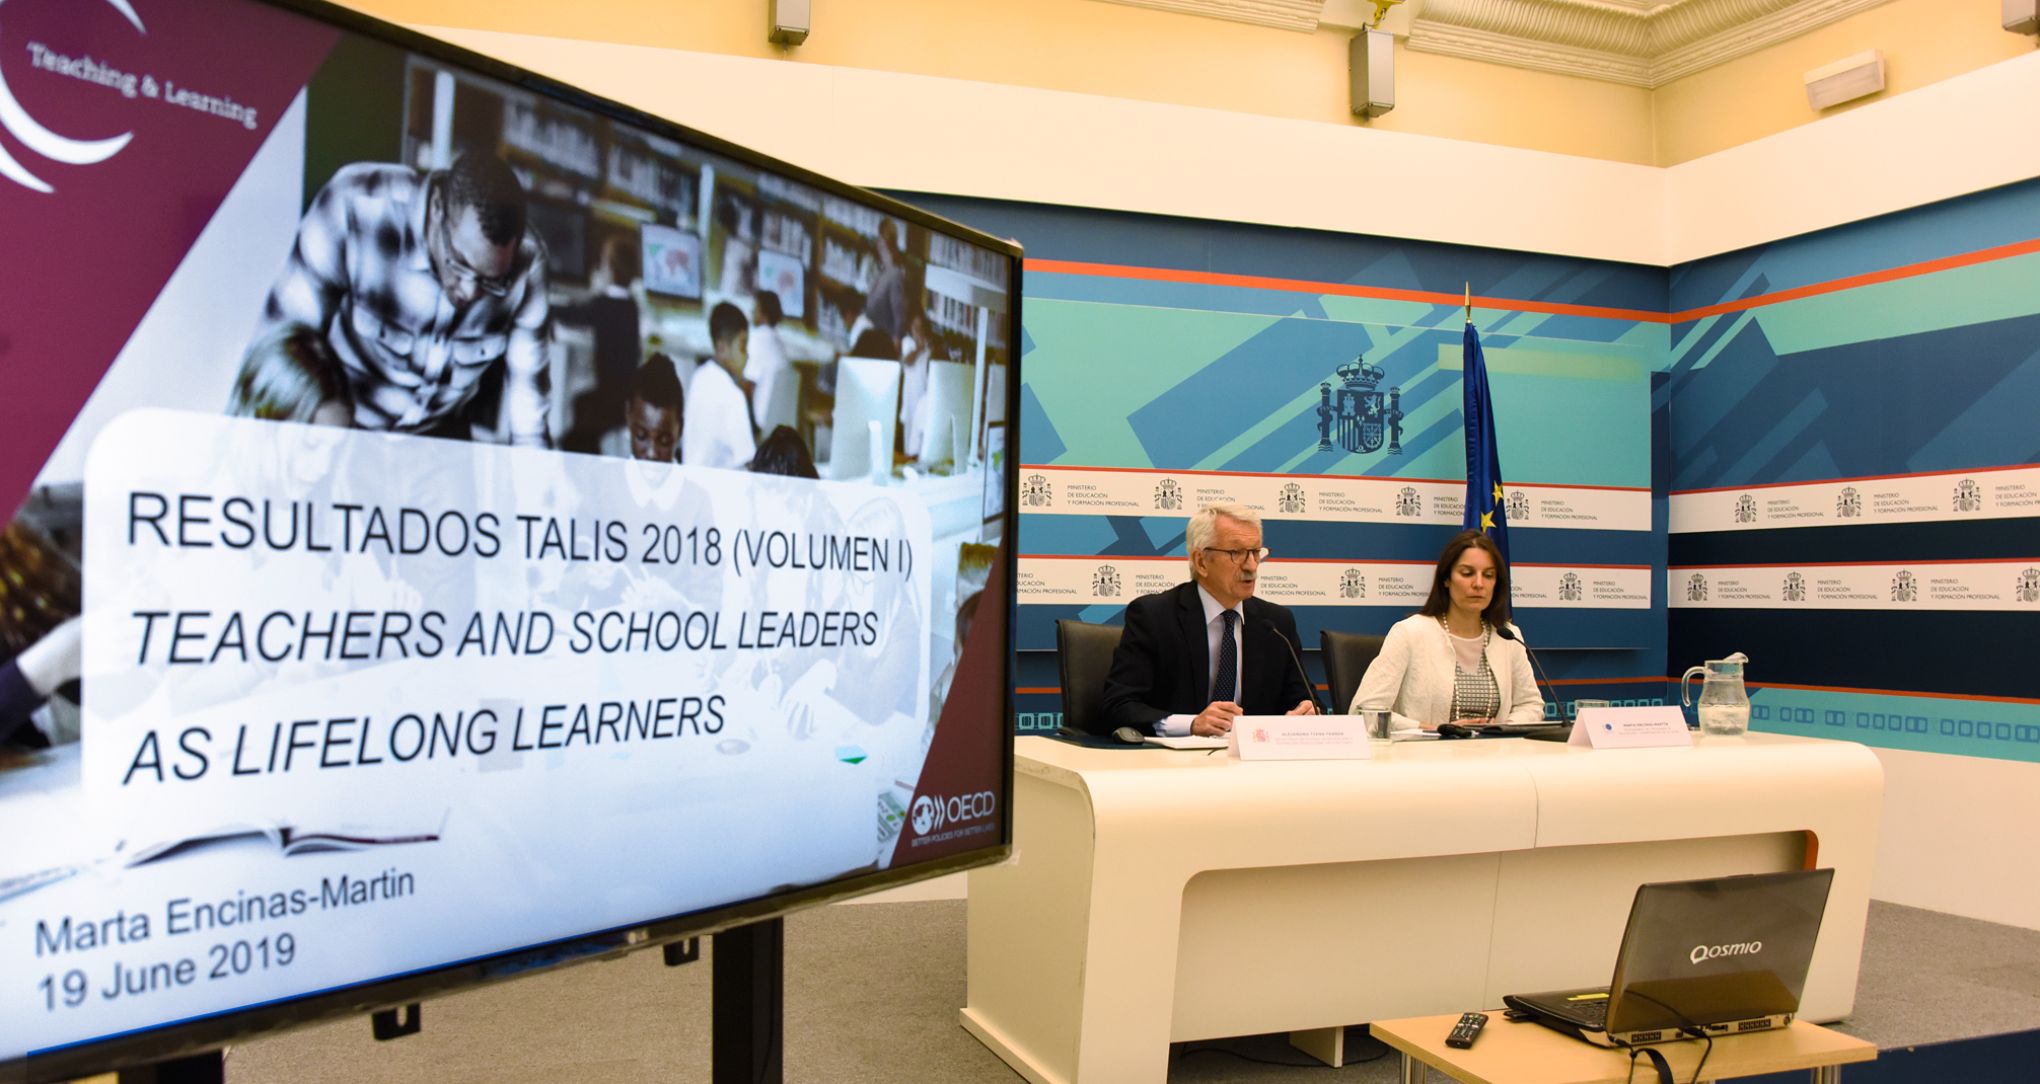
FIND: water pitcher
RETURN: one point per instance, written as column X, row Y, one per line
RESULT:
column 1724, row 704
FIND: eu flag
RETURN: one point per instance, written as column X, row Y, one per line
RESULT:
column 1484, row 500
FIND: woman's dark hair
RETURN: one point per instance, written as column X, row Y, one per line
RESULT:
column 874, row 343
column 1497, row 612
column 783, row 452
column 658, row 384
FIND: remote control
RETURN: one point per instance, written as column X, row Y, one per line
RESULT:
column 1467, row 1030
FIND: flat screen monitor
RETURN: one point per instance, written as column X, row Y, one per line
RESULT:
column 327, row 682
column 943, row 418
column 861, row 425
column 564, row 229
column 786, row 276
column 672, row 260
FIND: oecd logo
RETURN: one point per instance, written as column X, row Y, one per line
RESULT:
column 1519, row 505
column 1968, row 496
column 1105, row 582
column 1795, row 587
column 1291, row 499
column 1359, row 414
column 1035, row 492
column 1409, row 502
column 2028, row 588
column 1848, row 503
column 1168, row 495
column 1745, row 509
column 1904, row 588
column 934, row 812
column 1352, row 584
column 927, row 814
column 1696, row 588
column 1569, row 589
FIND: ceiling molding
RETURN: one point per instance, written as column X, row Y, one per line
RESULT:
column 1645, row 43
column 1677, row 63
column 1496, row 48
column 1281, row 14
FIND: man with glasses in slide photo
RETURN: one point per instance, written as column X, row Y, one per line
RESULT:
column 1196, row 656
column 422, row 284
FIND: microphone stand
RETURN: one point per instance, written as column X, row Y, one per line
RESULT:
column 1557, row 706
column 1308, row 688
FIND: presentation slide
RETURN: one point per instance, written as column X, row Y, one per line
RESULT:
column 385, row 591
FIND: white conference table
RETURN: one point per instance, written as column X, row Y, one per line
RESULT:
column 1157, row 896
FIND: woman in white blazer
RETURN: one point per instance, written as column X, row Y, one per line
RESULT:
column 1444, row 663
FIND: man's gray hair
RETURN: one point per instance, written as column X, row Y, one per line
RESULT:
column 1203, row 528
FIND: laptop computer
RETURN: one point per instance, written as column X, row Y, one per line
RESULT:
column 1723, row 955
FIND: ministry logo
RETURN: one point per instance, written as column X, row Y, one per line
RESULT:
column 1105, row 582
column 1696, row 588
column 1352, row 584
column 1168, row 495
column 1409, row 502
column 2028, row 588
column 1357, row 413
column 1035, row 492
column 1569, row 588
column 1745, row 509
column 1795, row 587
column 1519, row 505
column 1968, row 496
column 1848, row 503
column 1904, row 588
column 1291, row 499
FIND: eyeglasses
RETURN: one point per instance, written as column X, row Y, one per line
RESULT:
column 440, row 240
column 468, row 276
column 1240, row 556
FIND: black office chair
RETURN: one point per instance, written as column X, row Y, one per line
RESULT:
column 1346, row 657
column 1083, row 653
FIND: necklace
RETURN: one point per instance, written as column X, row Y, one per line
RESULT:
column 1447, row 626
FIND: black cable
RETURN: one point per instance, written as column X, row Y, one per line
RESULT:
column 1698, row 1033
column 1687, row 1028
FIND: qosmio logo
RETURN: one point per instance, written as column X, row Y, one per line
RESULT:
column 934, row 812
column 1703, row 953
column 58, row 148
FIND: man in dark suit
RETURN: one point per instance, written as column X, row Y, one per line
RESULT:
column 1196, row 656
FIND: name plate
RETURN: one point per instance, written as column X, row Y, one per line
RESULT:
column 1300, row 737
column 1655, row 727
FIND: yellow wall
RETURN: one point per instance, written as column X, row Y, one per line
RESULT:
column 1924, row 42
column 1088, row 47
column 1113, row 50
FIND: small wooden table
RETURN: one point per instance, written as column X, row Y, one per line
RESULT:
column 1526, row 1053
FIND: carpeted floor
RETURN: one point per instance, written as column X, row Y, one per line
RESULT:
column 873, row 993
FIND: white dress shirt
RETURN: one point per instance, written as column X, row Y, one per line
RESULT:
column 774, row 384
column 716, row 431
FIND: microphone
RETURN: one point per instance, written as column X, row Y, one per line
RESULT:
column 1507, row 633
column 1300, row 671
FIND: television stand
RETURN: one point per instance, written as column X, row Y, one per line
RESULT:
column 749, row 984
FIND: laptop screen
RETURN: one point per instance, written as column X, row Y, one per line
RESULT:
column 1726, row 948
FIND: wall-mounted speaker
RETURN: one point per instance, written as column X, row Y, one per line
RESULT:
column 1371, row 67
column 2022, row 16
column 789, row 21
column 1845, row 80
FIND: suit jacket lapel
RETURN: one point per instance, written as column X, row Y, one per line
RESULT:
column 1190, row 615
column 1258, row 644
